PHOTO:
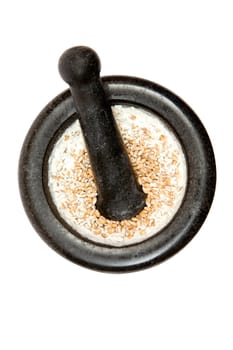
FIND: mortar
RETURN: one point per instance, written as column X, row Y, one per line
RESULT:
column 121, row 197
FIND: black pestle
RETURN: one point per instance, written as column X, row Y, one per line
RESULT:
column 120, row 196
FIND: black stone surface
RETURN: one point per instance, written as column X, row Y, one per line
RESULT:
column 188, row 219
column 120, row 196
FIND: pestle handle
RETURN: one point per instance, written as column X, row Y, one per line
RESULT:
column 120, row 196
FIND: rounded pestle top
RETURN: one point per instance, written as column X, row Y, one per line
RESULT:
column 78, row 65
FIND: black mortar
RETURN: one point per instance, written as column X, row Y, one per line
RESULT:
column 198, row 151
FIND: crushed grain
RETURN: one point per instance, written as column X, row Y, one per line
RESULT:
column 157, row 159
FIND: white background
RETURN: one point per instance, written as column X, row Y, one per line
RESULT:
column 46, row 301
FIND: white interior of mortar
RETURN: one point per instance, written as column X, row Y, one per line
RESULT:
column 135, row 124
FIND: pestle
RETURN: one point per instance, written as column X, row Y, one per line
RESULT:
column 119, row 195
